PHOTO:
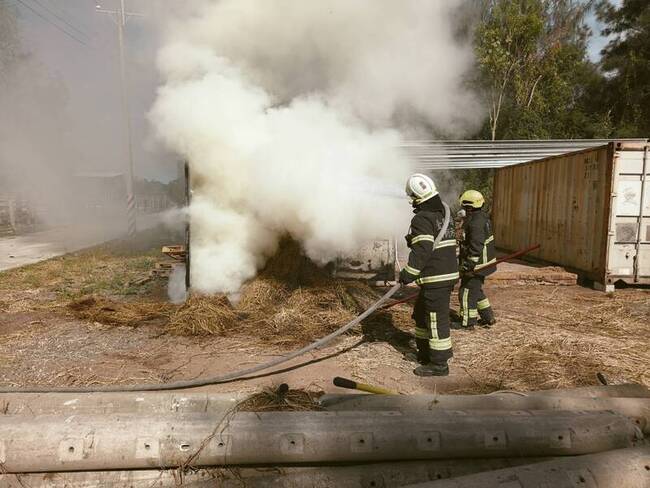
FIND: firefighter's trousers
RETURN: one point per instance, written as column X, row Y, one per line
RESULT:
column 473, row 302
column 432, row 334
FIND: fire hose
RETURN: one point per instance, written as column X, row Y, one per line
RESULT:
column 178, row 385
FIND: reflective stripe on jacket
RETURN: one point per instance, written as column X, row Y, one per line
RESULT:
column 427, row 267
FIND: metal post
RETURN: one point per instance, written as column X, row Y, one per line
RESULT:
column 12, row 214
column 639, row 230
column 188, row 236
column 130, row 184
column 121, row 17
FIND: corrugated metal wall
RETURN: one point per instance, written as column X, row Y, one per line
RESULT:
column 561, row 203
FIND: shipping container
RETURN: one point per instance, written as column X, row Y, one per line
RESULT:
column 589, row 210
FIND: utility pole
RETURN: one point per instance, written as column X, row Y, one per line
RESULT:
column 120, row 16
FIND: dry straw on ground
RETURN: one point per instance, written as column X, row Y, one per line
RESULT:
column 291, row 302
column 546, row 337
column 111, row 312
column 202, row 315
column 535, row 345
column 280, row 399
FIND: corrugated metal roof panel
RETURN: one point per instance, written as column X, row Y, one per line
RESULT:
column 438, row 155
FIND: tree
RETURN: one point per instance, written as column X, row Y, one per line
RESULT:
column 505, row 40
column 626, row 60
column 533, row 68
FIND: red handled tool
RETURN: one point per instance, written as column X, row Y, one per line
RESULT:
column 498, row 261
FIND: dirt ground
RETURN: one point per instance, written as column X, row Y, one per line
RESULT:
column 547, row 336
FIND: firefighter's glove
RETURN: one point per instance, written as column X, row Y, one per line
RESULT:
column 467, row 266
column 408, row 238
column 405, row 277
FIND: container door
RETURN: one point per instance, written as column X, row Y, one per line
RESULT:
column 629, row 254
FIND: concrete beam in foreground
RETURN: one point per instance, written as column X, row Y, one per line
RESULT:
column 386, row 475
column 144, row 402
column 120, row 442
column 636, row 409
column 162, row 402
column 625, row 468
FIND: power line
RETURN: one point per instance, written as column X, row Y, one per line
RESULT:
column 58, row 27
column 62, row 19
column 60, row 7
column 95, row 41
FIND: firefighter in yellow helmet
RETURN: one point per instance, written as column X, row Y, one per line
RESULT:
column 476, row 253
column 435, row 271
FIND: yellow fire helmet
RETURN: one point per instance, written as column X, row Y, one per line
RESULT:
column 472, row 198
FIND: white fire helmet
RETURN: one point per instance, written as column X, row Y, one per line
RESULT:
column 420, row 188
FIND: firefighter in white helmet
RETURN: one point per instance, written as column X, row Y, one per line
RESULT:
column 435, row 271
column 476, row 254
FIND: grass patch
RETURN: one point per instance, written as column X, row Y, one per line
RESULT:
column 117, row 268
column 89, row 272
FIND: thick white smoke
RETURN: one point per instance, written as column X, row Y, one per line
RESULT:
column 285, row 111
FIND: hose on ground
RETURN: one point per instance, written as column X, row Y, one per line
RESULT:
column 214, row 380
column 178, row 385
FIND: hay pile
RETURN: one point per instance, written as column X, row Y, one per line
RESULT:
column 203, row 315
column 111, row 312
column 291, row 302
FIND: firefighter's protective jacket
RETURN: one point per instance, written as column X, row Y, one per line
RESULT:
column 478, row 243
column 427, row 267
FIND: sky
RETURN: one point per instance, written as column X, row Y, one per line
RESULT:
column 598, row 42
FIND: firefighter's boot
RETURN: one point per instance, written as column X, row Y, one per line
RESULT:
column 424, row 353
column 432, row 369
column 486, row 315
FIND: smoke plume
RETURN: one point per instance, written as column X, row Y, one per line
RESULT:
column 291, row 115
